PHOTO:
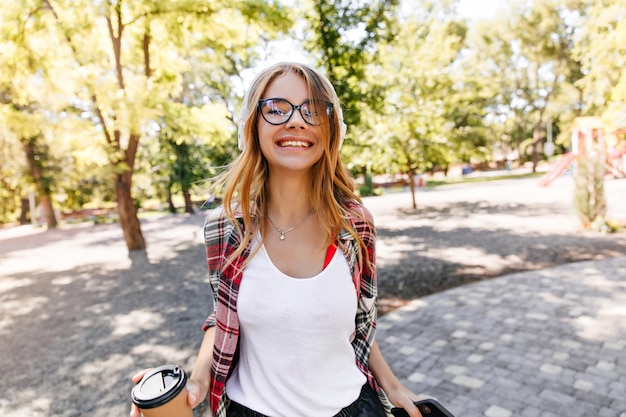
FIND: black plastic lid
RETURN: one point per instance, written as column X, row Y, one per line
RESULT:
column 159, row 386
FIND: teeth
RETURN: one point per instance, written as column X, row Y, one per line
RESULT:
column 294, row 144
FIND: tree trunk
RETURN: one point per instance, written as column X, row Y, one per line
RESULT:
column 581, row 101
column 48, row 212
column 170, row 200
column 411, row 180
column 24, row 210
column 534, row 150
column 186, row 193
column 128, row 214
column 188, row 203
column 42, row 186
column 412, row 186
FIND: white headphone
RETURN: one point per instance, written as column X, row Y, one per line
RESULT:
column 243, row 115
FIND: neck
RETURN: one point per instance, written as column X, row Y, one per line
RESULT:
column 289, row 198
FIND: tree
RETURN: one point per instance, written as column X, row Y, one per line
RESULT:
column 40, row 168
column 418, row 118
column 342, row 37
column 527, row 55
column 191, row 144
column 600, row 48
column 12, row 197
column 29, row 68
column 130, row 57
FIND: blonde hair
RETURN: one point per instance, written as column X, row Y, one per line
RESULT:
column 245, row 182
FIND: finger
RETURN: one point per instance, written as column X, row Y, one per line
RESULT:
column 415, row 412
column 137, row 377
column 192, row 399
column 194, row 394
column 134, row 411
column 412, row 409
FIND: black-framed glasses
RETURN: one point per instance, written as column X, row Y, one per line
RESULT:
column 277, row 111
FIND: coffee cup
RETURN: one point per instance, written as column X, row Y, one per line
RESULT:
column 161, row 393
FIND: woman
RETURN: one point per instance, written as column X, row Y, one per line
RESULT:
column 292, row 268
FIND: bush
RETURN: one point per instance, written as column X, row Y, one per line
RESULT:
column 589, row 197
column 365, row 191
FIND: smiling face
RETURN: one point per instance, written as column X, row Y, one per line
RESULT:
column 294, row 146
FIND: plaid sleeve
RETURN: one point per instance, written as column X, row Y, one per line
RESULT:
column 365, row 278
column 215, row 237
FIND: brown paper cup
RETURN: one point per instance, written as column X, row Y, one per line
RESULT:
column 161, row 393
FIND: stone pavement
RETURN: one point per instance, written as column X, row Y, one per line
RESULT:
column 542, row 343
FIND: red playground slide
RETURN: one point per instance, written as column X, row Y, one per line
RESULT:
column 558, row 169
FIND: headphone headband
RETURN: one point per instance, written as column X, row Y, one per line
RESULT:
column 243, row 115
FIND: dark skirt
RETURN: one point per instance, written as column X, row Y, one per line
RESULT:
column 367, row 405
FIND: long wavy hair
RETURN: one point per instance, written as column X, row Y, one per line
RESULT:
column 245, row 182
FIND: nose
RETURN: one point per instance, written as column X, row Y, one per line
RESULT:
column 296, row 120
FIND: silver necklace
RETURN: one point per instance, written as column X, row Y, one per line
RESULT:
column 282, row 232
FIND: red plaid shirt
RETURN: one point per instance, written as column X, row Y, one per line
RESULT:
column 222, row 240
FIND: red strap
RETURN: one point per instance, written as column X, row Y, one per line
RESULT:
column 330, row 252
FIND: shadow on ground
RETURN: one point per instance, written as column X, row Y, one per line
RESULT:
column 71, row 339
column 423, row 258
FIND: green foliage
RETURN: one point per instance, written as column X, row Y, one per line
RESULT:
column 108, row 71
column 367, row 188
column 147, row 91
column 420, row 117
column 345, row 36
column 526, row 57
column 189, row 146
column 601, row 49
column 589, row 197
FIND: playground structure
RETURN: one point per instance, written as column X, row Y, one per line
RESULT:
column 590, row 137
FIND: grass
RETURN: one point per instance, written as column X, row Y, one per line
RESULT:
column 431, row 183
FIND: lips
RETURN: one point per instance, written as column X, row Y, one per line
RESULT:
column 294, row 144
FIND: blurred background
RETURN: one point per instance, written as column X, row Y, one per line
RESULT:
column 111, row 110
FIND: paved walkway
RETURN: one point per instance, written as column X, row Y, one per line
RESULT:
column 543, row 343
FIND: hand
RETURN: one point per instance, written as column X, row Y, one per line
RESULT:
column 196, row 392
column 134, row 411
column 403, row 398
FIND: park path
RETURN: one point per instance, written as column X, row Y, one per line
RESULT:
column 548, row 343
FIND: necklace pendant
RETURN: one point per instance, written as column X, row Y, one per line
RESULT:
column 281, row 232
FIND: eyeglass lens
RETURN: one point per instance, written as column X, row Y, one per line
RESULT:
column 277, row 111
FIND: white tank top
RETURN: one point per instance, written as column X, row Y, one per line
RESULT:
column 295, row 353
